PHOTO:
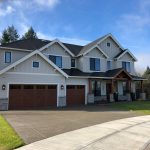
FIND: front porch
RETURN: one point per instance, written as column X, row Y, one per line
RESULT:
column 120, row 87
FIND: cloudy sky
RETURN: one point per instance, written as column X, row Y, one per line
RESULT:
column 81, row 21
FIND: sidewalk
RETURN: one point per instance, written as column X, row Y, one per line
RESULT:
column 125, row 134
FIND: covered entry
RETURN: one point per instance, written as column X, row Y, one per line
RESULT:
column 32, row 96
column 75, row 94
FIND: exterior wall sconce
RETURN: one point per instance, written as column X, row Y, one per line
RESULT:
column 62, row 87
column 3, row 87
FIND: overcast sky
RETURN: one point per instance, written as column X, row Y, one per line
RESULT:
column 81, row 21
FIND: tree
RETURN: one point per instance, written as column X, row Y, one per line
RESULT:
column 9, row 34
column 147, row 74
column 30, row 34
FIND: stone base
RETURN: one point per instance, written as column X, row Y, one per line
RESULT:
column 143, row 96
column 62, row 101
column 3, row 104
column 111, row 96
column 90, row 98
column 122, row 97
column 100, row 98
column 128, row 96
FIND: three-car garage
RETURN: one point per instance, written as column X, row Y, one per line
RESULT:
column 30, row 97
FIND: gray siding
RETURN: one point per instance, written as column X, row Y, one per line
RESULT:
column 111, row 51
column 27, row 66
column 84, row 62
column 57, row 50
column 16, row 55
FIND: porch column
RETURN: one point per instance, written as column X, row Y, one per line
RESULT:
column 90, row 96
column 128, row 94
column 112, row 91
column 142, row 94
column 90, row 86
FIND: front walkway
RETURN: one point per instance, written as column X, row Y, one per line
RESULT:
column 124, row 134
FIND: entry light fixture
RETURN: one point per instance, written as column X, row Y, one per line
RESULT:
column 3, row 87
column 62, row 87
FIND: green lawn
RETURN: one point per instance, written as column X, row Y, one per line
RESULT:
column 8, row 137
column 138, row 106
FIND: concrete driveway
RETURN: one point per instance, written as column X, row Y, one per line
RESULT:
column 125, row 134
column 37, row 125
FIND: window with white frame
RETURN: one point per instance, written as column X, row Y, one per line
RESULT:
column 95, row 64
column 7, row 57
column 57, row 60
column 35, row 64
column 109, row 65
column 126, row 66
column 73, row 63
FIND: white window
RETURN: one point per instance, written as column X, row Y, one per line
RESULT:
column 7, row 57
column 35, row 64
column 109, row 65
column 73, row 63
column 126, row 66
column 108, row 44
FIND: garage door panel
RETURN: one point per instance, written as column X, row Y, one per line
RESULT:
column 75, row 94
column 32, row 97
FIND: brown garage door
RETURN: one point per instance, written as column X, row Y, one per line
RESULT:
column 75, row 94
column 32, row 96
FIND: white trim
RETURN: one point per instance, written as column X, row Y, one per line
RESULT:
column 94, row 57
column 26, row 73
column 85, row 77
column 61, row 44
column 110, row 35
column 92, row 48
column 126, row 51
column 55, row 55
column 30, row 55
column 51, row 63
column 17, row 49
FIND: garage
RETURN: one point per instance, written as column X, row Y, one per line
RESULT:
column 75, row 95
column 22, row 97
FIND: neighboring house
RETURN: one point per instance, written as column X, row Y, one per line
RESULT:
column 37, row 73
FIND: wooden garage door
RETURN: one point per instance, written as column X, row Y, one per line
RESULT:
column 32, row 96
column 75, row 94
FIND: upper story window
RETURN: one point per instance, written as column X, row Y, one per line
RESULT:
column 7, row 57
column 73, row 63
column 109, row 66
column 126, row 66
column 36, row 64
column 56, row 60
column 95, row 64
column 108, row 44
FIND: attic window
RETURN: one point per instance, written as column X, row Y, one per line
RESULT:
column 35, row 64
column 108, row 44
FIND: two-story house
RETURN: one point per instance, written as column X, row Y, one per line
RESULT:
column 37, row 73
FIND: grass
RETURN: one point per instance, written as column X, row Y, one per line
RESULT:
column 8, row 138
column 137, row 106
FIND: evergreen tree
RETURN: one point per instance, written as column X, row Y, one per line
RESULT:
column 9, row 34
column 147, row 74
column 30, row 34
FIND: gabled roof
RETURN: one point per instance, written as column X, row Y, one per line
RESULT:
column 35, row 44
column 98, row 41
column 60, row 43
column 27, row 57
column 95, row 46
column 28, row 44
column 123, row 53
